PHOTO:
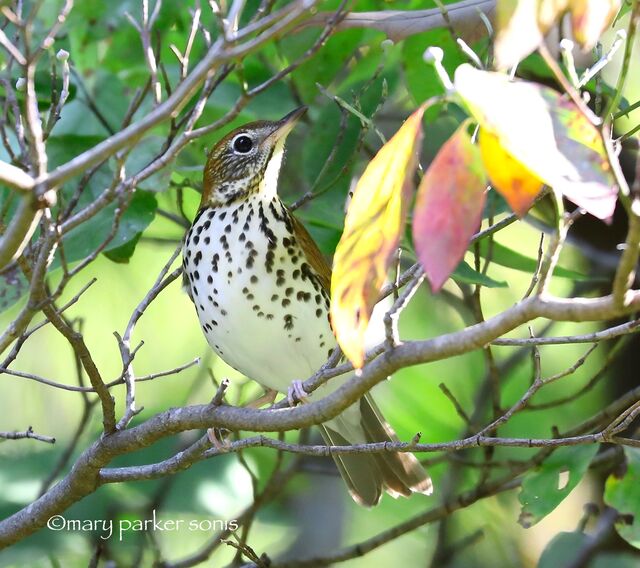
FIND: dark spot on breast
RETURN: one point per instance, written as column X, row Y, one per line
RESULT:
column 288, row 322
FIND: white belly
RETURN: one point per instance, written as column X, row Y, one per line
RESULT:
column 259, row 306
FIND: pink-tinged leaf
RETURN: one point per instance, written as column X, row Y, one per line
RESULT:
column 373, row 226
column 547, row 134
column 449, row 207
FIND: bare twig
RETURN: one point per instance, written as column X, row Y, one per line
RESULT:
column 27, row 434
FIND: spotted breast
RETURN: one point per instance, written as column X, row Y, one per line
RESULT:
column 260, row 287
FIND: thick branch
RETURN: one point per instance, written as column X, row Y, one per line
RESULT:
column 465, row 17
column 15, row 177
column 85, row 476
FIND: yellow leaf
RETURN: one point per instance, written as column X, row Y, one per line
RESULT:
column 590, row 18
column 517, row 184
column 549, row 11
column 373, row 226
column 544, row 132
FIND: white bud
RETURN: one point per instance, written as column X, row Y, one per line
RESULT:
column 433, row 54
column 567, row 44
column 62, row 55
column 21, row 84
column 386, row 45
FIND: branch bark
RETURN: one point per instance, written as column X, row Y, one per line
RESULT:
column 85, row 477
column 465, row 17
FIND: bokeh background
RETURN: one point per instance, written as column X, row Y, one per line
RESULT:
column 313, row 513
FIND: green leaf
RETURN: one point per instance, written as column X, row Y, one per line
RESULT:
column 496, row 204
column 325, row 64
column 13, row 285
column 85, row 238
column 562, row 549
column 422, row 79
column 623, row 494
column 544, row 489
column 615, row 560
column 43, row 86
column 123, row 253
column 141, row 156
column 509, row 258
column 326, row 133
column 467, row 275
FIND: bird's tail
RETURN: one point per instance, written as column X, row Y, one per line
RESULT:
column 368, row 474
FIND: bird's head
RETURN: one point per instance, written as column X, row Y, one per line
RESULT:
column 247, row 161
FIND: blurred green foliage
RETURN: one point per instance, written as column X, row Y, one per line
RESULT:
column 324, row 155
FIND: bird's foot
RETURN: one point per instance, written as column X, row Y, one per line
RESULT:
column 296, row 393
column 217, row 437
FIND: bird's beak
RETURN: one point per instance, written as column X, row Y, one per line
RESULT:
column 286, row 124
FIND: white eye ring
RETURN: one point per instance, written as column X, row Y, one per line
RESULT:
column 242, row 143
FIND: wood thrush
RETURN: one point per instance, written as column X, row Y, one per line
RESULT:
column 260, row 288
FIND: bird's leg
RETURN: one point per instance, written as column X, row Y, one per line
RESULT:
column 296, row 393
column 267, row 398
column 218, row 437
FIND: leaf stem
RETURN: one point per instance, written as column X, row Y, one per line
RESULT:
column 626, row 61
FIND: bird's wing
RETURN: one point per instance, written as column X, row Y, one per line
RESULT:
column 313, row 254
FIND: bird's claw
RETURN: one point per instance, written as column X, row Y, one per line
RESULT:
column 218, row 440
column 296, row 393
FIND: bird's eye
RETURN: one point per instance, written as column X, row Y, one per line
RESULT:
column 243, row 144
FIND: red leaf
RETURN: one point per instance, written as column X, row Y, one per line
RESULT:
column 449, row 207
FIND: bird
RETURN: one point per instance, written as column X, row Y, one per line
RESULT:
column 260, row 286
